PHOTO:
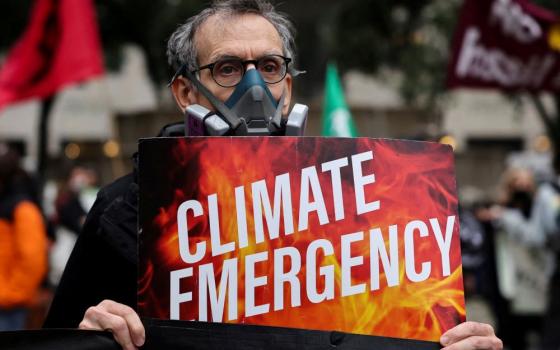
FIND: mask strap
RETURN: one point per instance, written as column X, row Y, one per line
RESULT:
column 230, row 117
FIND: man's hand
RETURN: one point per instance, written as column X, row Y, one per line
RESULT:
column 471, row 336
column 119, row 319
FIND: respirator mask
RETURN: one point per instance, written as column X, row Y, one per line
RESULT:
column 251, row 110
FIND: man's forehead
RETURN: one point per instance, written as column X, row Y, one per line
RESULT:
column 236, row 35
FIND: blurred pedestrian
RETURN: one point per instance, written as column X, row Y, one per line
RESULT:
column 23, row 242
column 472, row 237
column 74, row 199
column 548, row 208
column 524, row 261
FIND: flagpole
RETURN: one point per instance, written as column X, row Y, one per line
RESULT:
column 46, row 107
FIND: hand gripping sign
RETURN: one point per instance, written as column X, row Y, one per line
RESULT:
column 353, row 235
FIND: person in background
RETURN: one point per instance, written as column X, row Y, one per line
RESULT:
column 23, row 242
column 76, row 194
column 70, row 207
column 524, row 260
column 547, row 204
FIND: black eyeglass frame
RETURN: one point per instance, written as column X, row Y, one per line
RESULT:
column 244, row 63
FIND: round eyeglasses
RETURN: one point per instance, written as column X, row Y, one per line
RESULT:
column 228, row 72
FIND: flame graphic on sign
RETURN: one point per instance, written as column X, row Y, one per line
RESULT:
column 414, row 181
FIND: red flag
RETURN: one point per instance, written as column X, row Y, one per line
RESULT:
column 506, row 44
column 60, row 46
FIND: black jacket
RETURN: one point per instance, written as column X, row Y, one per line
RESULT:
column 103, row 264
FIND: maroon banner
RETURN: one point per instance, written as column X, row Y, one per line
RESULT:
column 60, row 46
column 506, row 44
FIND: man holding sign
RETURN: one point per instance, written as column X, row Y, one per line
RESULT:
column 215, row 54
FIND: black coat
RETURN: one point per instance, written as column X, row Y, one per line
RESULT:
column 103, row 264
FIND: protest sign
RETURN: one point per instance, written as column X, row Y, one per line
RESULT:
column 354, row 235
column 506, row 44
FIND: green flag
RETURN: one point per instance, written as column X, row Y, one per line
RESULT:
column 337, row 120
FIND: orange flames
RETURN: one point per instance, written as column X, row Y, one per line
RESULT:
column 414, row 181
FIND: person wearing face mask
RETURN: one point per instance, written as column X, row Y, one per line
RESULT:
column 74, row 199
column 234, row 63
column 527, row 244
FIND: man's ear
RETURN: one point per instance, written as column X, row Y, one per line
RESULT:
column 184, row 93
column 288, row 98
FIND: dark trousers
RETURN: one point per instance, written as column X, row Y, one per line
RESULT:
column 551, row 329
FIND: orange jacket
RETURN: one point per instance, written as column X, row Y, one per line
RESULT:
column 23, row 255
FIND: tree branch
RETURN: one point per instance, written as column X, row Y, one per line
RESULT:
column 543, row 113
column 556, row 119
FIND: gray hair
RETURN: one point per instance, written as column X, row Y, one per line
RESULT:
column 181, row 48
